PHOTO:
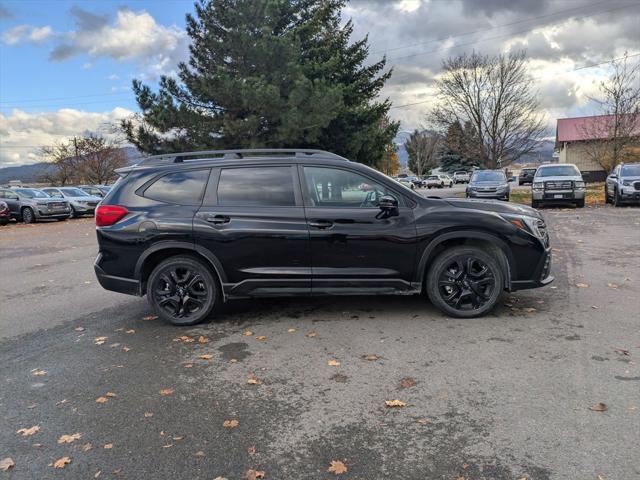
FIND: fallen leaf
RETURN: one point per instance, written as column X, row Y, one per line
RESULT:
column 188, row 365
column 86, row 447
column 97, row 474
column 27, row 432
column 595, row 307
column 407, row 382
column 582, row 285
column 202, row 339
column 166, row 391
column 337, row 467
column 114, row 345
column 177, row 439
column 108, row 446
column 621, row 351
column 61, row 462
column 167, row 446
column 149, row 317
column 199, row 453
column 205, row 356
column 311, row 334
column 233, row 423
column 394, row 403
column 69, row 438
column 79, row 329
column 530, row 310
column 6, row 464
column 261, row 337
column 130, row 331
column 599, row 407
column 184, row 339
column 371, row 358
column 110, row 395
column 37, row 445
column 148, row 414
column 39, row 373
column 333, row 363
column 612, row 285
column 253, row 474
column 100, row 340
column 291, row 330
column 252, row 380
column 423, row 421
column 101, row 400
column 251, row 450
column 125, row 349
column 247, row 333
column 220, row 478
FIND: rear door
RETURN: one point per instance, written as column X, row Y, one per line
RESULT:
column 252, row 219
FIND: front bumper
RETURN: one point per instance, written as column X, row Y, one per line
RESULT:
column 128, row 286
column 629, row 194
column 557, row 195
column 494, row 195
column 542, row 274
column 43, row 213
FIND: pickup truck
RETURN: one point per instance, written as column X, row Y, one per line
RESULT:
column 461, row 177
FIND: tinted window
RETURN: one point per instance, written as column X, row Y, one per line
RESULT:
column 488, row 176
column 256, row 186
column 332, row 187
column 182, row 188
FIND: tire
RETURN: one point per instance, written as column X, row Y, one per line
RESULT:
column 580, row 203
column 535, row 204
column 606, row 195
column 506, row 199
column 616, row 198
column 28, row 216
column 170, row 284
column 63, row 219
column 73, row 213
column 465, row 281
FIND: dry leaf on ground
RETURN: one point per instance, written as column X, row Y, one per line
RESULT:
column 251, row 450
column 100, row 340
column 599, row 407
column 61, row 462
column 102, row 400
column 39, row 373
column 86, row 447
column 337, row 467
column 253, row 380
column 166, row 391
column 110, row 395
column 612, row 285
column 253, row 474
column 394, row 403
column 371, row 358
column 69, row 438
column 247, row 333
column 233, row 423
column 311, row 334
column 148, row 414
column 27, row 432
column 205, row 356
column 79, row 329
column 6, row 464
column 423, row 421
column 261, row 337
column 108, row 446
column 291, row 330
column 407, row 382
column 621, row 351
column 130, row 331
column 184, row 339
column 333, row 363
column 582, row 285
column 149, row 317
column 202, row 339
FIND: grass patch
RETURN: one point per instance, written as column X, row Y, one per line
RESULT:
column 593, row 196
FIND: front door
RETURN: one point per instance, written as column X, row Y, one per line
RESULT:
column 355, row 247
column 252, row 220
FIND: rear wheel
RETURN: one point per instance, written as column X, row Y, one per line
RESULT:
column 465, row 281
column 28, row 216
column 182, row 290
column 535, row 204
column 73, row 213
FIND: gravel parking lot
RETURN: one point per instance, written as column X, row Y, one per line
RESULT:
column 285, row 387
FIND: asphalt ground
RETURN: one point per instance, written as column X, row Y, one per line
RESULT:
column 507, row 396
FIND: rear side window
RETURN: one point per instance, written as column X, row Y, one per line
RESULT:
column 256, row 186
column 182, row 188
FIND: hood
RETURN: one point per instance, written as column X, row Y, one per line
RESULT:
column 559, row 178
column 494, row 206
column 84, row 199
column 631, row 178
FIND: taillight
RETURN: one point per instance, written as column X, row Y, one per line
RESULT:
column 109, row 214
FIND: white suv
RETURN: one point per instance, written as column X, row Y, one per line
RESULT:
column 461, row 177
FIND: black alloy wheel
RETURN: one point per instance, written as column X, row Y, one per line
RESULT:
column 465, row 281
column 27, row 215
column 182, row 290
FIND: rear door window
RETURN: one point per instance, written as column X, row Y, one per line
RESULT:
column 257, row 186
column 181, row 188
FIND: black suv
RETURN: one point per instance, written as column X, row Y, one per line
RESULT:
column 191, row 230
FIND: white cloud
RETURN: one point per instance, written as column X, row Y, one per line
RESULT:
column 27, row 34
column 24, row 133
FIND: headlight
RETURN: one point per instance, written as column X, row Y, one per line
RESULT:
column 532, row 225
column 579, row 184
column 538, row 185
column 627, row 183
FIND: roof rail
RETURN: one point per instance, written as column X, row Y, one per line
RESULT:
column 237, row 153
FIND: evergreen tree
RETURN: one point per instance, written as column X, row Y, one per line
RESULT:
column 458, row 152
column 268, row 74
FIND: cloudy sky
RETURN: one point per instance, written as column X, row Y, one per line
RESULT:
column 66, row 66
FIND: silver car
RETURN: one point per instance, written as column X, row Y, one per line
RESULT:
column 558, row 183
column 81, row 202
column 489, row 184
column 623, row 184
column 31, row 205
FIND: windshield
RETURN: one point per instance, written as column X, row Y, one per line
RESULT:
column 529, row 170
column 488, row 176
column 558, row 171
column 73, row 192
column 630, row 170
column 31, row 193
column 433, row 177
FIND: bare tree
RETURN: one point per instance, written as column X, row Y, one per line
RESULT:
column 614, row 137
column 62, row 155
column 423, row 148
column 495, row 96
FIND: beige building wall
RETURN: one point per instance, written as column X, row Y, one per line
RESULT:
column 576, row 152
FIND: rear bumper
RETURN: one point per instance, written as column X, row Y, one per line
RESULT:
column 128, row 286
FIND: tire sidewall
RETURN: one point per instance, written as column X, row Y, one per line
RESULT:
column 443, row 259
column 208, row 277
column 32, row 215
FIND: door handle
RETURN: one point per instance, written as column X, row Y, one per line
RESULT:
column 218, row 219
column 321, row 224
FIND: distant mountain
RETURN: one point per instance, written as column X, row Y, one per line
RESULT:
column 32, row 173
column 541, row 154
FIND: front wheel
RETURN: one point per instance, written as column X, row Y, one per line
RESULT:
column 606, row 195
column 616, row 198
column 28, row 216
column 182, row 290
column 580, row 203
column 465, row 281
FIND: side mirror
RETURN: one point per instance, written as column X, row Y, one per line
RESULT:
column 613, row 176
column 388, row 205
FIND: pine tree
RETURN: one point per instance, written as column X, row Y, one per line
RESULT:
column 458, row 152
column 272, row 74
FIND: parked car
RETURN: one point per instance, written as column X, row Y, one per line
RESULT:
column 526, row 176
column 559, row 183
column 5, row 213
column 461, row 177
column 488, row 184
column 81, row 202
column 417, row 182
column 623, row 184
column 95, row 190
column 438, row 181
column 191, row 230
column 406, row 182
column 30, row 205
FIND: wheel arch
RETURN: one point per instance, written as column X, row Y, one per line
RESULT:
column 468, row 237
column 161, row 251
